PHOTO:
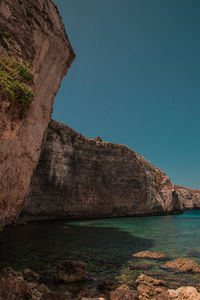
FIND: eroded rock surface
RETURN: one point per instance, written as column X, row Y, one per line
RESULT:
column 124, row 293
column 32, row 32
column 184, row 293
column 14, row 286
column 29, row 275
column 150, row 288
column 150, row 255
column 182, row 265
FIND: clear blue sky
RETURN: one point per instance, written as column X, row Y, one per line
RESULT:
column 136, row 79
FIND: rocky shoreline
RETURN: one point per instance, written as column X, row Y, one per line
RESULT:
column 144, row 285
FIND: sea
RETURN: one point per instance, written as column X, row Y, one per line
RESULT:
column 106, row 246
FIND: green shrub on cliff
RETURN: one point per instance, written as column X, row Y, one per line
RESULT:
column 98, row 139
column 16, row 80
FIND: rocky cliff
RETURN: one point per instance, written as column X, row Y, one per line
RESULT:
column 80, row 177
column 188, row 198
column 35, row 54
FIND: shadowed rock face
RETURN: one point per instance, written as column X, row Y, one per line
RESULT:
column 37, row 36
column 80, row 177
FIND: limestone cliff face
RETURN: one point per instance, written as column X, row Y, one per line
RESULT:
column 188, row 198
column 80, row 177
column 31, row 31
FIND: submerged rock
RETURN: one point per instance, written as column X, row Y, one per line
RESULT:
column 107, row 285
column 54, row 296
column 85, row 293
column 140, row 266
column 194, row 253
column 150, row 255
column 182, row 265
column 70, row 271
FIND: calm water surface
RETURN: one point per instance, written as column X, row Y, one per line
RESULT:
column 105, row 245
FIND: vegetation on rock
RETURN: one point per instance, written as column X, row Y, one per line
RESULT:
column 16, row 80
column 98, row 139
column 158, row 180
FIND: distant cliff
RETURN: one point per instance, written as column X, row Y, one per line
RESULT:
column 79, row 177
column 35, row 54
column 188, row 198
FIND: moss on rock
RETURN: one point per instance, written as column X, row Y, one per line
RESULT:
column 16, row 80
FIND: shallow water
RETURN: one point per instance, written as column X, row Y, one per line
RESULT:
column 105, row 245
column 177, row 235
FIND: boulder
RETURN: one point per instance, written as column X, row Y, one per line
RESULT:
column 184, row 293
column 198, row 287
column 9, row 272
column 14, row 287
column 150, row 255
column 70, row 271
column 182, row 265
column 150, row 288
column 123, row 293
column 43, row 289
column 30, row 275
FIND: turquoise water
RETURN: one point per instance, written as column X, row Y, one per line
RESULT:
column 176, row 235
column 105, row 245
